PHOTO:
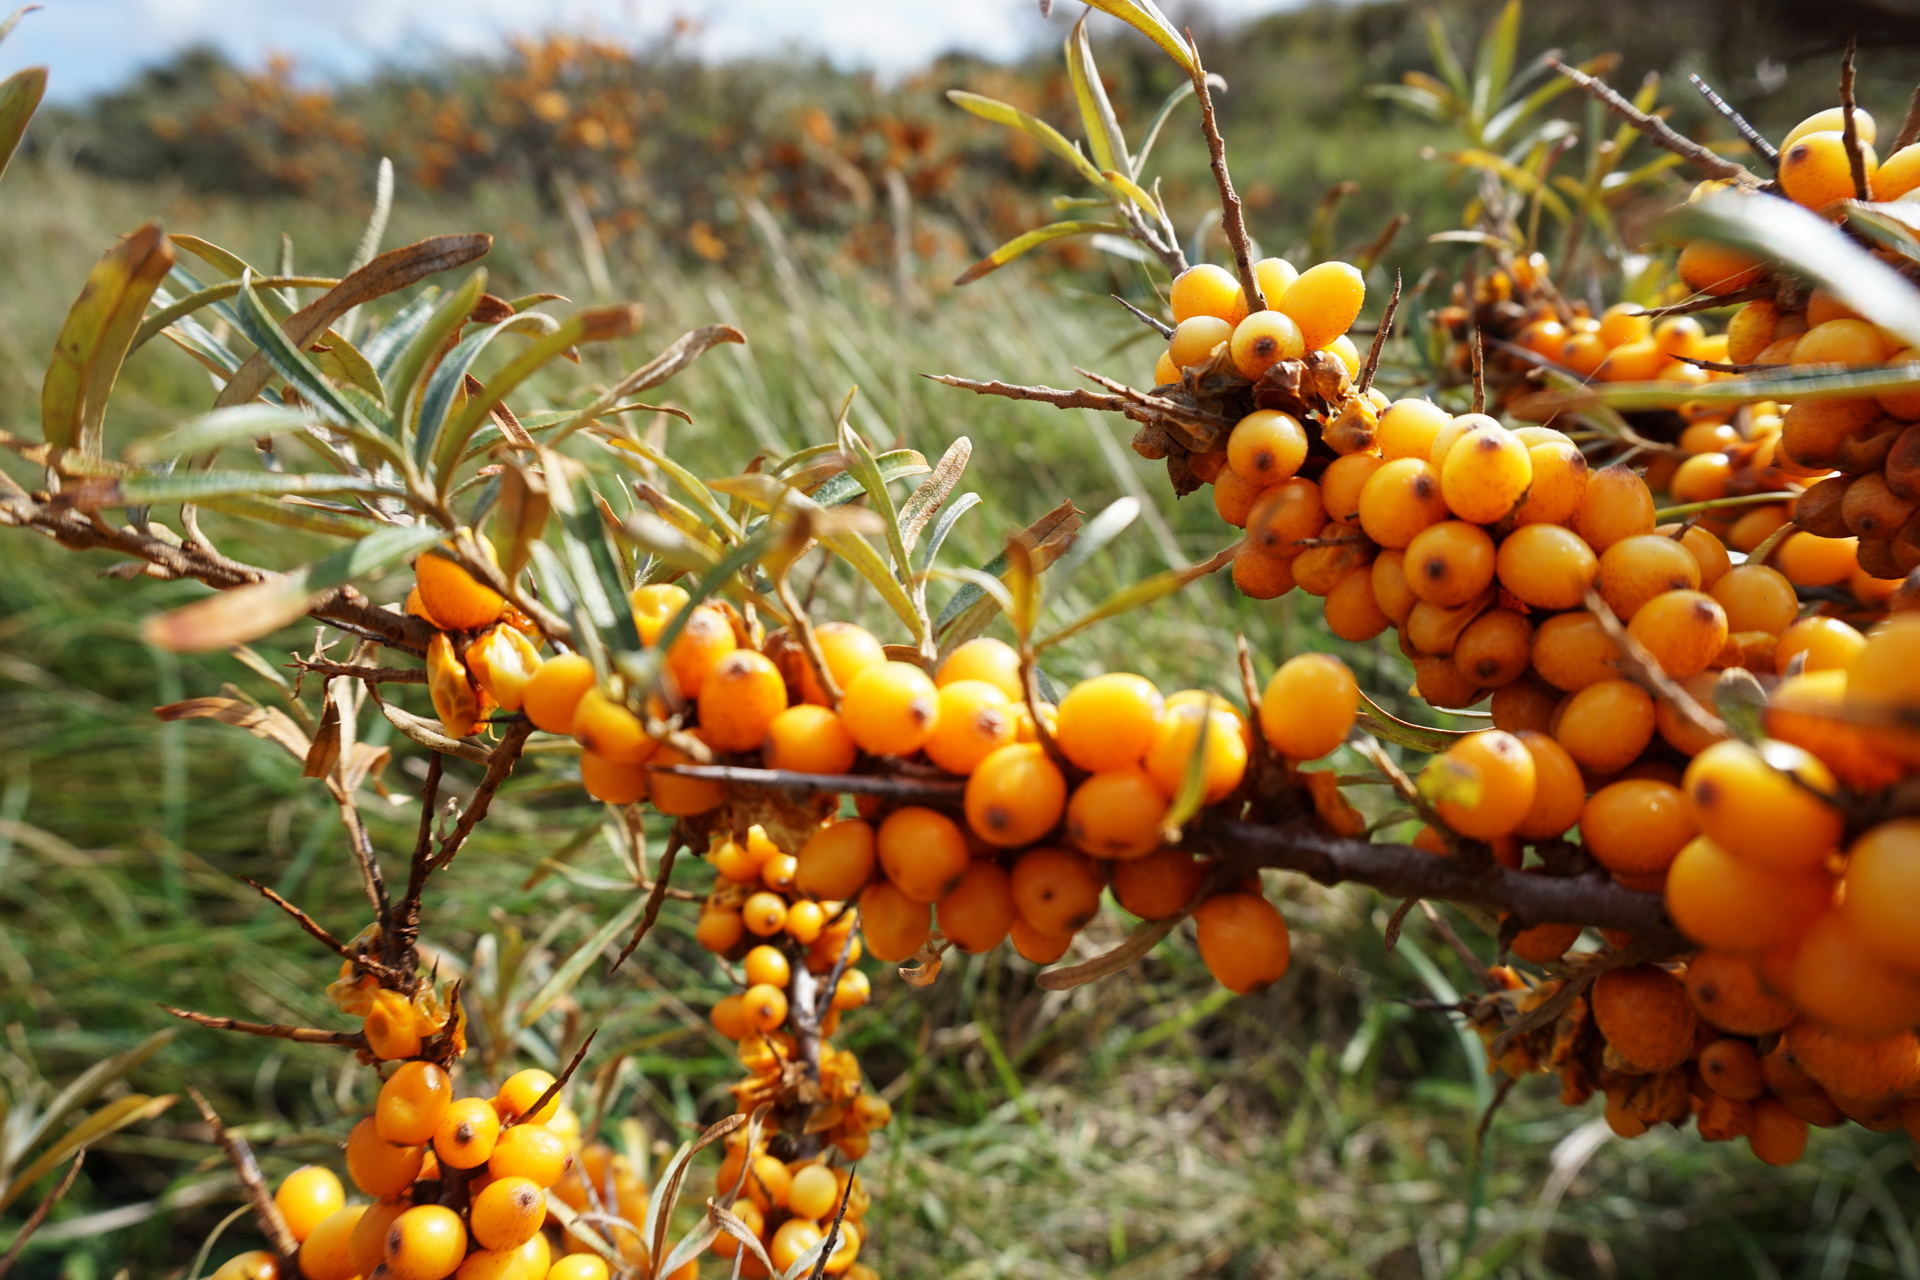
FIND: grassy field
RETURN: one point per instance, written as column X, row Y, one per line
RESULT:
column 1142, row 1127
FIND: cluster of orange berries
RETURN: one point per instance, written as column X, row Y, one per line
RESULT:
column 458, row 1188
column 1306, row 311
column 791, row 1205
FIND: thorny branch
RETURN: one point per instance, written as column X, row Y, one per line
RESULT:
column 272, row 1224
column 1658, row 131
column 1233, row 218
column 271, row 1030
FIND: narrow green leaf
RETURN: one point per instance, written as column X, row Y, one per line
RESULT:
column 292, row 364
column 1493, row 67
column 445, row 385
column 929, row 546
column 1014, row 118
column 206, row 297
column 94, row 341
column 1145, row 17
column 216, row 430
column 390, row 340
column 1390, row 728
column 19, row 98
column 21, row 1140
column 112, row 1118
column 1032, row 240
column 409, row 368
column 701, row 495
column 155, row 488
column 1444, row 60
column 895, row 464
column 1092, row 539
column 1134, row 596
column 570, row 970
column 1108, row 144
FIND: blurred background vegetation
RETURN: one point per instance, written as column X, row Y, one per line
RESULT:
column 1145, row 1126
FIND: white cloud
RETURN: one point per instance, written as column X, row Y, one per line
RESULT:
column 94, row 44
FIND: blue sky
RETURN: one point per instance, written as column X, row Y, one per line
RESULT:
column 94, row 44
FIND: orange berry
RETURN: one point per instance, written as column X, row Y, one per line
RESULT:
column 1764, row 804
column 1817, row 562
column 891, row 708
column 1353, row 612
column 1605, row 726
column 1243, row 941
column 452, row 597
column 765, row 1006
column 412, row 1103
column 519, row 1092
column 1616, row 504
column 1054, row 891
column 1037, row 947
column 729, row 1017
column 704, row 640
column 507, row 1212
column 326, row 1251
column 1207, row 290
column 554, row 692
column 848, row 650
column 502, row 662
column 376, row 1166
column 1116, row 814
column 767, row 964
column 1646, row 1017
column 922, row 851
column 719, row 931
column 894, row 925
column 1636, row 826
column 1399, row 500
column 1259, row 342
column 654, row 605
column 1324, row 301
column 466, row 1136
column 1815, row 170
column 1560, row 473
column 1108, row 722
column 307, row 1197
column 530, row 1151
column 852, row 991
column 1828, row 643
column 1284, row 515
column 791, row 1239
column 1546, row 566
column 613, row 783
column 1727, row 993
column 1559, row 792
column 1492, row 784
column 837, row 860
column 1715, row 269
column 976, row 912
column 390, row 1026
column 1777, row 1135
column 739, row 700
column 1196, row 338
column 1729, row 904
column 1839, row 980
column 1015, row 796
column 1756, row 598
column 427, row 1242
column 1158, row 885
column 1485, row 476
column 1494, row 649
column 1883, row 869
column 1342, row 483
column 808, row 738
column 1407, row 429
column 367, row 1245
column 1449, row 563
column 1683, row 630
column 974, row 718
column 1217, row 733
column 606, row 728
column 1635, row 570
column 994, row 661
column 764, row 914
column 1267, row 446
column 1864, row 1068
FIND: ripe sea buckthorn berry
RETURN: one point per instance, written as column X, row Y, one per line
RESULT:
column 427, row 1242
column 1494, row 649
column 1181, row 732
column 1196, row 338
column 1261, row 341
column 1352, row 611
column 1883, row 869
column 507, row 1212
column 1108, row 721
column 1845, row 342
column 1399, row 500
column 376, row 1166
column 502, row 662
column 1679, row 336
column 389, row 1027
column 836, row 860
column 1645, row 1016
column 1708, row 552
column 1207, row 290
column 500, row 1264
column 815, row 1192
column 890, row 708
column 1559, row 793
column 1116, row 814
column 767, row 964
column 520, row 1091
column 1636, row 826
column 1573, row 650
column 1165, row 371
column 1868, row 508
column 1606, row 726
column 1838, row 980
column 1342, row 483
column 1776, row 1136
column 1159, row 885
column 1756, row 598
column 852, row 991
column 325, row 1252
column 894, row 925
column 554, row 692
column 1584, row 353
column 1765, row 804
column 809, row 739
column 1234, row 497
column 1449, row 563
column 1525, row 704
column 367, row 1245
column 454, row 700
column 1274, row 276
column 1816, row 562
column 1544, row 943
column 1624, row 322
column 1728, row 993
column 739, row 700
column 848, row 650
column 1259, row 575
column 1616, row 504
column 704, row 640
column 1324, row 301
column 791, row 1239
column 1559, row 482
column 1456, row 429
column 1635, row 570
column 1243, row 941
column 1750, row 331
column 974, row 718
column 1341, row 551
column 307, row 1197
column 1546, row 566
column 1715, row 269
column 255, row 1264
column 654, row 605
column 764, row 914
column 729, row 1017
column 1899, row 174
column 612, row 783
column 1056, row 892
column 1486, row 474
column 922, row 851
column 1408, row 427
column 1832, row 120
column 1015, row 796
column 1859, row 1067
column 994, row 661
column 1284, row 515
column 1500, row 775
column 977, row 911
column 1731, row 1068
column 1734, row 905
column 412, row 1103
column 1828, row 643
column 530, row 1151
column 1391, row 591
column 1683, row 630
column 606, row 728
column 1267, row 446
column 1815, row 170
column 765, row 1007
column 719, row 931
column 453, row 597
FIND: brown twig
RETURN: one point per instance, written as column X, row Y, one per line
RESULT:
column 271, row 1030
column 374, row 675
column 1710, row 302
column 1645, row 671
column 1850, row 127
column 1658, row 131
column 403, row 931
column 1750, row 135
column 1074, row 399
column 654, row 899
column 1479, row 372
column 1198, row 420
column 500, row 762
column 318, row 931
column 1910, row 126
column 833, row 1232
column 272, row 1224
column 1233, row 218
column 1372, row 365
column 1441, row 926
column 40, row 1212
column 1716, row 366
column 552, row 1091
column 1155, row 323
column 856, row 784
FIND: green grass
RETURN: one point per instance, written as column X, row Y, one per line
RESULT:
column 1140, row 1127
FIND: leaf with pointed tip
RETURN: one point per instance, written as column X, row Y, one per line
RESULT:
column 1108, row 144
column 1033, row 240
column 896, row 464
column 211, row 294
column 20, row 97
column 410, row 367
column 447, row 383
column 925, row 553
column 1493, row 67
column 377, row 220
column 391, row 339
column 926, row 500
column 1031, row 125
column 214, row 431
column 84, row 1086
column 1390, row 728
column 292, row 364
column 94, row 341
column 1137, row 595
column 1145, row 17
column 1093, row 538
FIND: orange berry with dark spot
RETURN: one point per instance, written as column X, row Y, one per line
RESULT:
column 1645, row 1015
column 1056, row 892
column 891, row 708
column 1243, row 941
column 1015, row 796
column 1116, row 814
column 739, row 700
column 977, row 911
column 706, row 638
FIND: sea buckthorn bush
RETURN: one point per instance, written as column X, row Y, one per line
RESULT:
column 1664, row 574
